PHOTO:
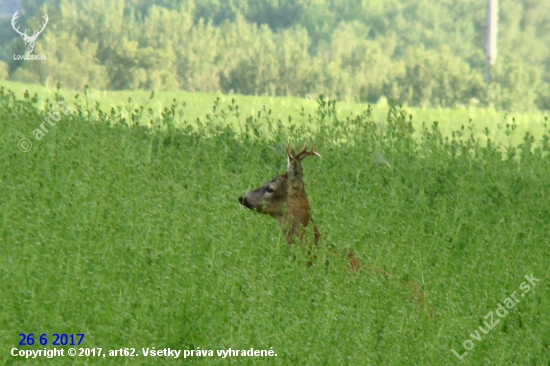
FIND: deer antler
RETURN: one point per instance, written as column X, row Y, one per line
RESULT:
column 13, row 19
column 304, row 153
column 35, row 34
column 24, row 34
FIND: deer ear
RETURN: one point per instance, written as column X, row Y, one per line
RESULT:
column 294, row 172
column 294, row 167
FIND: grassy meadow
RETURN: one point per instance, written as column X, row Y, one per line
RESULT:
column 133, row 235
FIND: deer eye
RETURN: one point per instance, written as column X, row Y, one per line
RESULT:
column 269, row 190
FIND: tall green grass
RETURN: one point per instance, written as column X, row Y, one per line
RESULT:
column 133, row 236
column 199, row 105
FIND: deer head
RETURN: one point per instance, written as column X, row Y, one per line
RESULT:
column 29, row 41
column 284, row 197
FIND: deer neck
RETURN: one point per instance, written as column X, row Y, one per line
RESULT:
column 296, row 218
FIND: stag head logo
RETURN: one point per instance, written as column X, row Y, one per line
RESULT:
column 29, row 40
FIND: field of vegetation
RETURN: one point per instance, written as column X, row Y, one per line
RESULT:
column 134, row 237
column 199, row 105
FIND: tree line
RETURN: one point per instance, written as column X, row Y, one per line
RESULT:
column 416, row 52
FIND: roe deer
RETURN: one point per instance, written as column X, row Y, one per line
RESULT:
column 284, row 198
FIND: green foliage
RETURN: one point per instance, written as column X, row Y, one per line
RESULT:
column 4, row 70
column 438, row 78
column 69, row 62
column 516, row 85
column 544, row 97
column 356, row 66
column 413, row 51
column 134, row 237
column 277, row 14
column 298, row 109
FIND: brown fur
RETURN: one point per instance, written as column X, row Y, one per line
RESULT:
column 284, row 198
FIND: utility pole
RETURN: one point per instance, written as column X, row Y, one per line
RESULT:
column 492, row 20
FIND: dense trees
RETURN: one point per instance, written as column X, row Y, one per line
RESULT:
column 418, row 52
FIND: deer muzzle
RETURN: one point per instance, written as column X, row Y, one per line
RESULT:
column 243, row 201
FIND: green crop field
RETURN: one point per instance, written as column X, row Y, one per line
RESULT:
column 198, row 105
column 133, row 235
